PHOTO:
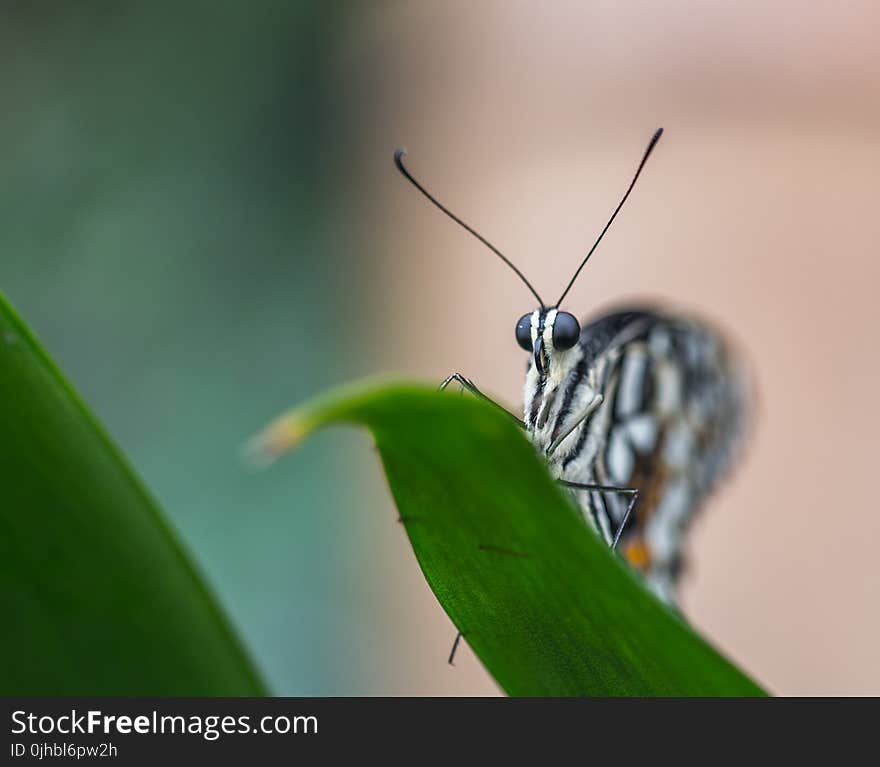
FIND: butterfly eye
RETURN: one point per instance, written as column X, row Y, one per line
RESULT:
column 524, row 332
column 566, row 331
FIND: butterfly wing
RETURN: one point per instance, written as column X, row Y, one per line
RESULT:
column 671, row 419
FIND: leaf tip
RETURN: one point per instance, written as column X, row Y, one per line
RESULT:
column 279, row 437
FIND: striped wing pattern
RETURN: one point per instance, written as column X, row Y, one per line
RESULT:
column 671, row 419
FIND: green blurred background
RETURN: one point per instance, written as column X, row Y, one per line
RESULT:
column 170, row 233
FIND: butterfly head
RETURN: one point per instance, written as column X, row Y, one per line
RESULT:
column 547, row 334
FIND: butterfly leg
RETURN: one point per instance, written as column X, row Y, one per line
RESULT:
column 466, row 383
column 454, row 648
column 630, row 491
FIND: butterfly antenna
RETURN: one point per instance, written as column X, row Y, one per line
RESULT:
column 651, row 144
column 399, row 154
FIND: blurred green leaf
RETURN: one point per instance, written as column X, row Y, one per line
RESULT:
column 546, row 606
column 97, row 595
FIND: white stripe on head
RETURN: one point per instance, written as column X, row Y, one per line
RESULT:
column 536, row 320
column 549, row 319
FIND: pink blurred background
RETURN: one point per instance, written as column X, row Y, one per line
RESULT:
column 756, row 211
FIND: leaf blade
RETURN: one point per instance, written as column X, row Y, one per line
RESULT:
column 103, row 598
column 541, row 600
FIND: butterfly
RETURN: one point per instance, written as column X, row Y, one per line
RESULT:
column 637, row 411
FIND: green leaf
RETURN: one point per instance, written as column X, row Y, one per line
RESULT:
column 96, row 593
column 546, row 605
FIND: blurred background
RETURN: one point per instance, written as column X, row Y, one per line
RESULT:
column 200, row 218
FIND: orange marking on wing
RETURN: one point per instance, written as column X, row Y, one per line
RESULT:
column 638, row 555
